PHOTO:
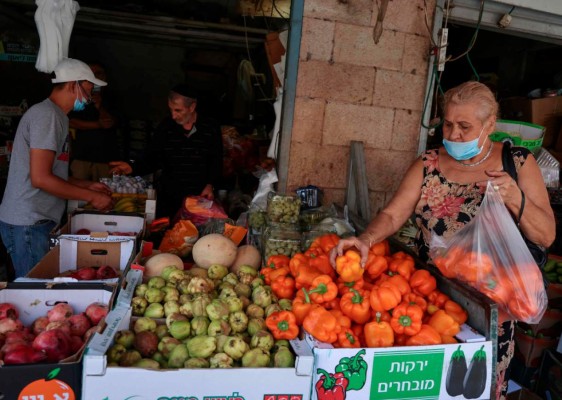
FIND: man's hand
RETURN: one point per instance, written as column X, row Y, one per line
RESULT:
column 100, row 187
column 120, row 168
column 208, row 192
column 101, row 201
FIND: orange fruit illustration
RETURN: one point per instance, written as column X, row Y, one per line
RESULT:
column 47, row 389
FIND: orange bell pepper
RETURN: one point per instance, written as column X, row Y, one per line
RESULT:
column 444, row 324
column 305, row 275
column 356, row 306
column 381, row 248
column 382, row 315
column 474, row 267
column 400, row 340
column 375, row 265
column 422, row 282
column 343, row 320
column 333, row 304
column 323, row 289
column 274, row 262
column 322, row 263
column 357, row 330
column 402, row 263
column 455, row 311
column 400, row 282
column 283, row 287
column 302, row 305
column 326, row 242
column 413, row 298
column 348, row 266
column 427, row 336
column 378, row 334
column 384, row 297
column 297, row 262
column 406, row 319
column 282, row 325
column 348, row 339
column 437, row 298
column 345, row 287
column 448, row 339
column 276, row 273
column 322, row 325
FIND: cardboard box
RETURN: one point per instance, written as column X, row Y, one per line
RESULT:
column 546, row 111
column 78, row 251
column 94, row 221
column 411, row 372
column 523, row 394
column 34, row 301
column 101, row 381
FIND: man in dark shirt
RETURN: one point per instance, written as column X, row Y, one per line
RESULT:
column 187, row 148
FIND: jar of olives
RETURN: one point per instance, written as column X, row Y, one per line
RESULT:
column 284, row 240
column 283, row 208
column 257, row 218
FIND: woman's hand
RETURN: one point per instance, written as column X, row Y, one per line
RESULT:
column 345, row 244
column 504, row 184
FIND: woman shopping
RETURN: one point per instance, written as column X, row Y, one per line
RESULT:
column 444, row 189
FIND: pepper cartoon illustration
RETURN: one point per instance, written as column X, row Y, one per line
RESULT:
column 331, row 386
column 354, row 369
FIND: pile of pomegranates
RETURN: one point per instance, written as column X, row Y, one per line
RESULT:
column 94, row 273
column 50, row 338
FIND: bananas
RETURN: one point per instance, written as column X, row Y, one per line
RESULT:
column 126, row 204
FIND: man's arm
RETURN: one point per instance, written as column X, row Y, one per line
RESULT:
column 42, row 177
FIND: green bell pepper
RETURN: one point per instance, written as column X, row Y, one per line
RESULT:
column 354, row 369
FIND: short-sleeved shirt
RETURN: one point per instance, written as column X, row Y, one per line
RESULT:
column 445, row 207
column 44, row 126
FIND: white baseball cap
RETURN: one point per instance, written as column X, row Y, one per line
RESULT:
column 69, row 70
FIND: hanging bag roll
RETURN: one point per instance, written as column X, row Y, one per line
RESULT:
column 490, row 255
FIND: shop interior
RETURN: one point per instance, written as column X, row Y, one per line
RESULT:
column 224, row 49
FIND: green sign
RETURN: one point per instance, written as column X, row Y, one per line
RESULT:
column 413, row 374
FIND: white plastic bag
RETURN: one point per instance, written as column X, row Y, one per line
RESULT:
column 490, row 255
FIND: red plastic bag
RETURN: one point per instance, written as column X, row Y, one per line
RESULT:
column 490, row 254
column 199, row 210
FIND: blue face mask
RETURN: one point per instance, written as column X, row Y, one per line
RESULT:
column 463, row 150
column 80, row 105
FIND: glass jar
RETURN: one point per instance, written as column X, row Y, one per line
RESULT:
column 279, row 240
column 256, row 219
column 283, row 208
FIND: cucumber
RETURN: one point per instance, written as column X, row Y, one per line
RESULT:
column 550, row 265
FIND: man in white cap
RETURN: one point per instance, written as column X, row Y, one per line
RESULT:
column 38, row 181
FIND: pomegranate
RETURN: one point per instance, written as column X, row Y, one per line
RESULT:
column 79, row 324
column 24, row 354
column 8, row 324
column 76, row 344
column 60, row 312
column 9, row 347
column 83, row 231
column 62, row 325
column 96, row 311
column 84, row 274
column 90, row 332
column 106, row 272
column 8, row 310
column 55, row 343
column 39, row 325
column 23, row 336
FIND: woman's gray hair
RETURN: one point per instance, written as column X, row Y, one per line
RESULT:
column 473, row 92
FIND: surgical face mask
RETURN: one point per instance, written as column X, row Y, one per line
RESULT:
column 80, row 105
column 463, row 150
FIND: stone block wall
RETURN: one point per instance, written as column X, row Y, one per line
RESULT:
column 350, row 88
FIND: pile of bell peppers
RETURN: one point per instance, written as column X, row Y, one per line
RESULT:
column 388, row 302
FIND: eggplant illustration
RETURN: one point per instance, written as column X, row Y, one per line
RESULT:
column 456, row 373
column 475, row 379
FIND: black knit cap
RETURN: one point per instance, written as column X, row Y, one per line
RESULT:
column 185, row 91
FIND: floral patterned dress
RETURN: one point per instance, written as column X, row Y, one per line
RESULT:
column 444, row 208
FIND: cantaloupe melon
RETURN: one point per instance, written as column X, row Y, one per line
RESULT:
column 214, row 249
column 247, row 255
column 154, row 265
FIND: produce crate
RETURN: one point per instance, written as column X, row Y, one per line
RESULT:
column 27, row 381
column 83, row 251
column 101, row 381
